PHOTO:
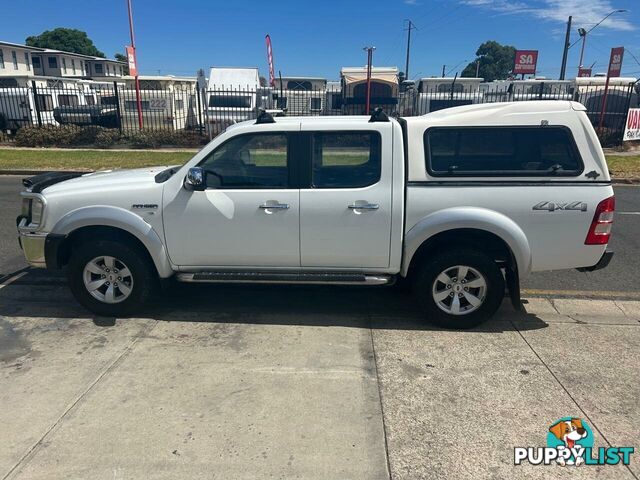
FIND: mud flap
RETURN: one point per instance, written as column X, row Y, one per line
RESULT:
column 513, row 286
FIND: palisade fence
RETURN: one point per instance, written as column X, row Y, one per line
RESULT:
column 206, row 113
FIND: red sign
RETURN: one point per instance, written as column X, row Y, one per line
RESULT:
column 131, row 58
column 272, row 75
column 615, row 62
column 526, row 61
column 584, row 72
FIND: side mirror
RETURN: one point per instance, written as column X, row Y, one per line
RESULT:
column 195, row 180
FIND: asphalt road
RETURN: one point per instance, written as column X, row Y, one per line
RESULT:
column 620, row 276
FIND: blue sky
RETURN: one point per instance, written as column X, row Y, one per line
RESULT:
column 317, row 38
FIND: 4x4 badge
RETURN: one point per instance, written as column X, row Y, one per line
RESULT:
column 553, row 206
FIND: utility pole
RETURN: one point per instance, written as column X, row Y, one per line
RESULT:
column 137, row 79
column 410, row 27
column 565, row 50
column 369, row 51
column 444, row 67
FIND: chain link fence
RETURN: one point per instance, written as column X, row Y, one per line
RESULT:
column 205, row 113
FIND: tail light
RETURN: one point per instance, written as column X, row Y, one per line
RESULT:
column 600, row 230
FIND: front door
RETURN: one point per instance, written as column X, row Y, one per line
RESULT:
column 249, row 214
column 345, row 210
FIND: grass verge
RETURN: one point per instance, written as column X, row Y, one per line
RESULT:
column 22, row 159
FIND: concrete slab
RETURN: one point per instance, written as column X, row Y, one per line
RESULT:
column 46, row 364
column 630, row 308
column 599, row 365
column 457, row 403
column 227, row 400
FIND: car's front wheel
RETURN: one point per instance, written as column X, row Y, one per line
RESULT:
column 110, row 278
column 459, row 288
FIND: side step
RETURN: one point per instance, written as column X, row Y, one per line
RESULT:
column 335, row 278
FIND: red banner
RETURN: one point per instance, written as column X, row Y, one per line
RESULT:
column 526, row 61
column 615, row 62
column 272, row 75
column 584, row 72
column 131, row 58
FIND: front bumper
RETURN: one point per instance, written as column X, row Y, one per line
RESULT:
column 32, row 245
column 602, row 263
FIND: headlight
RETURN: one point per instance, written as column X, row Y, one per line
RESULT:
column 36, row 211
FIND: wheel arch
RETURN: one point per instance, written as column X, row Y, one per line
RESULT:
column 106, row 222
column 468, row 226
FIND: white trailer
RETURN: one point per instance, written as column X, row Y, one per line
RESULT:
column 433, row 94
column 301, row 95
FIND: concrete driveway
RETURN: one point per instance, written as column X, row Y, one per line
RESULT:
column 305, row 382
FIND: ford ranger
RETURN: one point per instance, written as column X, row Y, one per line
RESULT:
column 460, row 203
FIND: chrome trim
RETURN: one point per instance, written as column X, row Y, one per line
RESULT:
column 33, row 247
column 364, row 206
column 275, row 206
column 368, row 280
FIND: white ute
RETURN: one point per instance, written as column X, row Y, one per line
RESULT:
column 462, row 203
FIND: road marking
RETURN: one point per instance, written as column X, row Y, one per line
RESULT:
column 580, row 293
column 12, row 279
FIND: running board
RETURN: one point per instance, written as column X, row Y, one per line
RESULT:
column 309, row 278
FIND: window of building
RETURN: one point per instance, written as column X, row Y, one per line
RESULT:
column 447, row 87
column 68, row 100
column 501, row 151
column 315, row 104
column 82, row 68
column 1, row 59
column 229, row 101
column 150, row 85
column 36, row 62
column 132, row 105
column 90, row 99
column 249, row 161
column 14, row 57
column 64, row 65
column 98, row 68
column 73, row 66
column 302, row 85
column 346, row 159
column 8, row 82
column 44, row 102
column 53, row 62
column 26, row 60
column 108, row 71
column 179, row 105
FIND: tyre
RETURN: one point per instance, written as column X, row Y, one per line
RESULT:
column 111, row 278
column 459, row 288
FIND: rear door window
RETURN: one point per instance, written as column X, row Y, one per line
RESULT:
column 501, row 151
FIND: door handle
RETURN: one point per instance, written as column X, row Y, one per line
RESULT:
column 364, row 206
column 275, row 206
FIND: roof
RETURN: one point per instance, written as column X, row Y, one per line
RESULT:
column 359, row 74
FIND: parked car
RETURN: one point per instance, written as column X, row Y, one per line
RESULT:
column 460, row 202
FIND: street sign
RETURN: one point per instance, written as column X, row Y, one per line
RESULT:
column 131, row 59
column 615, row 62
column 584, row 72
column 526, row 61
column 632, row 127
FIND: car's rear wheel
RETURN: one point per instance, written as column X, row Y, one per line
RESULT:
column 459, row 288
column 110, row 278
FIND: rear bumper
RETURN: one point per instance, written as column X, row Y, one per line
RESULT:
column 602, row 263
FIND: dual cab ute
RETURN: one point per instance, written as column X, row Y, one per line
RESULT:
column 462, row 203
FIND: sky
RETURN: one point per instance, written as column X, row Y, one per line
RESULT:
column 317, row 38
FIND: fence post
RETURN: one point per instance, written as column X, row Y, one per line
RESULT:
column 199, row 103
column 541, row 91
column 118, row 113
column 36, row 104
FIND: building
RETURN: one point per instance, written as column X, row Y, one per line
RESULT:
column 17, row 60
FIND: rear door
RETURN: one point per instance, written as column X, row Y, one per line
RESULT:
column 345, row 199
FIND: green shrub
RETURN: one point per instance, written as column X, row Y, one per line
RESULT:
column 106, row 137
column 65, row 136
column 168, row 138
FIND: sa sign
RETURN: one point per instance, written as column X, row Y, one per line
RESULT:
column 526, row 61
column 632, row 127
column 615, row 61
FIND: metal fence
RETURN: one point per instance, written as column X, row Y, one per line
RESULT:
column 208, row 112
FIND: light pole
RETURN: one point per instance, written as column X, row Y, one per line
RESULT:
column 583, row 33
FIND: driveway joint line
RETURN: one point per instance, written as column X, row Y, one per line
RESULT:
column 568, row 393
column 32, row 451
column 379, row 386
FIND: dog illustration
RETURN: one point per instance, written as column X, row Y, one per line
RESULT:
column 569, row 432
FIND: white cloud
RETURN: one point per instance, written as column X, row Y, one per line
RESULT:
column 585, row 12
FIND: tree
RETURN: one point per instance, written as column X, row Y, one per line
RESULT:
column 496, row 61
column 122, row 58
column 263, row 81
column 66, row 39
